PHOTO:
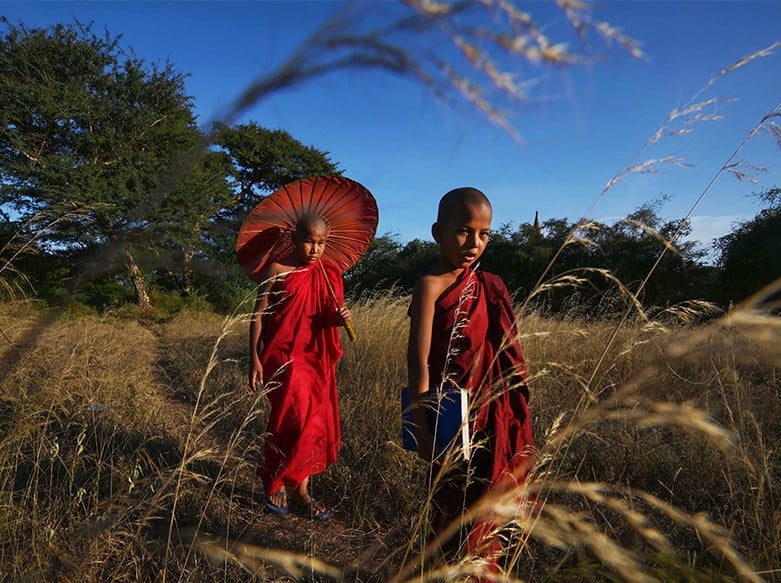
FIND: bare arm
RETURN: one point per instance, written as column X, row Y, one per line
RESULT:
column 256, row 327
column 418, row 348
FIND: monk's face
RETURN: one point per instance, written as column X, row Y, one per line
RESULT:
column 464, row 235
column 310, row 243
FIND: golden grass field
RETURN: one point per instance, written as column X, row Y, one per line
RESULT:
column 128, row 447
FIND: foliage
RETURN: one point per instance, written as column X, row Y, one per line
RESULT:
column 264, row 160
column 521, row 256
column 85, row 124
column 259, row 161
column 626, row 249
column 750, row 255
column 631, row 247
column 388, row 264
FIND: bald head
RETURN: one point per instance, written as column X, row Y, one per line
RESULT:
column 310, row 222
column 456, row 202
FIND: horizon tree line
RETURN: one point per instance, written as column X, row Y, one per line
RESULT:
column 111, row 194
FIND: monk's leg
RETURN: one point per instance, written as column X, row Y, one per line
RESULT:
column 302, row 491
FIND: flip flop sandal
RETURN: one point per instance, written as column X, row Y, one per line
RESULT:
column 310, row 509
column 271, row 507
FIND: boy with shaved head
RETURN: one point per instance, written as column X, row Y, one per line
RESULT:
column 463, row 334
column 294, row 350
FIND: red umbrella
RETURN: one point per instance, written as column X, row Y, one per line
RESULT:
column 347, row 206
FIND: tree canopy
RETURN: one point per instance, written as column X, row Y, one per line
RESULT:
column 86, row 126
column 106, row 176
column 750, row 255
column 563, row 266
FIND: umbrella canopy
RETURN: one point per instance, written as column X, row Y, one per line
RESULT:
column 347, row 206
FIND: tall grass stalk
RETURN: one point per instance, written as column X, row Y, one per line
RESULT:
column 178, row 438
column 127, row 448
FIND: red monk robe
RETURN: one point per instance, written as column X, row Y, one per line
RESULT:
column 475, row 345
column 300, row 350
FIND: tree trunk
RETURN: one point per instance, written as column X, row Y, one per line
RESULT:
column 187, row 275
column 139, row 283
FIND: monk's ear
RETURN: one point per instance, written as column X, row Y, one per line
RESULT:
column 436, row 232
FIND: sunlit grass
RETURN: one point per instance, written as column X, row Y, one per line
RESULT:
column 128, row 445
column 662, row 466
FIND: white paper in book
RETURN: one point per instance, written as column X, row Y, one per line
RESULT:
column 448, row 418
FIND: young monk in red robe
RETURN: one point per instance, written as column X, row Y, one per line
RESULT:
column 463, row 333
column 294, row 348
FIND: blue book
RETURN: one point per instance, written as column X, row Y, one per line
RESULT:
column 448, row 417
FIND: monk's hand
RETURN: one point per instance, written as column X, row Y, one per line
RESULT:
column 344, row 314
column 255, row 377
column 423, row 435
column 425, row 443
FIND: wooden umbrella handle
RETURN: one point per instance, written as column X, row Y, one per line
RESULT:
column 347, row 326
column 350, row 331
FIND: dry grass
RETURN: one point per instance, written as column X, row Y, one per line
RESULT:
column 127, row 452
column 127, row 448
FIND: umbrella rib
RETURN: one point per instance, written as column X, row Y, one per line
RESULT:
column 335, row 200
column 348, row 207
column 283, row 209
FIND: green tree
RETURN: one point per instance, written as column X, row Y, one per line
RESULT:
column 184, row 221
column 521, row 256
column 84, row 124
column 377, row 269
column 631, row 248
column 750, row 255
column 389, row 264
column 598, row 256
column 264, row 160
column 259, row 161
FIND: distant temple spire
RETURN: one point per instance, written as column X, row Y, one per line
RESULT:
column 537, row 225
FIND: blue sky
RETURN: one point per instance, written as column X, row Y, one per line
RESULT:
column 584, row 125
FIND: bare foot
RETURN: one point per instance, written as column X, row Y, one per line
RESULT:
column 277, row 502
column 310, row 507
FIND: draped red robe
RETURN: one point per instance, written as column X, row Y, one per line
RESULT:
column 475, row 345
column 300, row 350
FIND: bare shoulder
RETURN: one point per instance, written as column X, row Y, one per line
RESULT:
column 269, row 274
column 274, row 269
column 429, row 287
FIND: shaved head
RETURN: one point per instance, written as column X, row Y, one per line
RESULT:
column 455, row 202
column 309, row 222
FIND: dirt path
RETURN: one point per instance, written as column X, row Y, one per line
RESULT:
column 225, row 516
column 225, row 513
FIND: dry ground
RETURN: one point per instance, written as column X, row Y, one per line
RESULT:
column 128, row 447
